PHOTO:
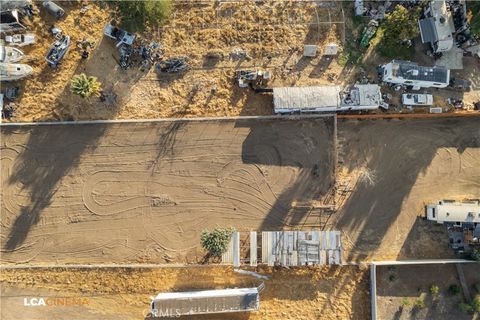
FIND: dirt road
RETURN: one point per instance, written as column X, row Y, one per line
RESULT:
column 144, row 192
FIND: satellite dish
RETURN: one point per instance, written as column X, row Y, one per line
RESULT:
column 442, row 20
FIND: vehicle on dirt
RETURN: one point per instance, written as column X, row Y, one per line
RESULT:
column 58, row 50
column 54, row 9
column 20, row 40
column 10, row 54
column 417, row 99
column 122, row 36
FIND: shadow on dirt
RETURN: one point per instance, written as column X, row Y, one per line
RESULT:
column 395, row 153
column 48, row 156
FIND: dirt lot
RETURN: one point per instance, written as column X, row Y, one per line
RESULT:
column 61, row 185
column 399, row 287
column 326, row 293
column 389, row 170
column 143, row 192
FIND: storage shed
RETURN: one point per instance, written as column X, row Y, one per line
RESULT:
column 175, row 304
column 306, row 99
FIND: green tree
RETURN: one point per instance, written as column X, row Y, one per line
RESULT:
column 400, row 25
column 434, row 290
column 85, row 86
column 473, row 16
column 135, row 15
column 216, row 241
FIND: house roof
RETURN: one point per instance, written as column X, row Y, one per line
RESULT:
column 412, row 71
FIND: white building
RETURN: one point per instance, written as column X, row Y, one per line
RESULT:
column 437, row 26
column 411, row 74
column 327, row 98
column 453, row 211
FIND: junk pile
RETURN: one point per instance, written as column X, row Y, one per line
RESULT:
column 250, row 78
column 172, row 65
column 144, row 55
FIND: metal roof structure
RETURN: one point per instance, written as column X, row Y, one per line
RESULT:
column 175, row 304
column 300, row 248
column 286, row 248
column 305, row 98
column 412, row 71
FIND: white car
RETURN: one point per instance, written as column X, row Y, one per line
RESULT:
column 20, row 40
column 417, row 99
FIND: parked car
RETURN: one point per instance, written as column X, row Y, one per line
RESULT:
column 122, row 36
column 417, row 99
column 10, row 54
column 20, row 40
column 9, row 21
column 12, row 71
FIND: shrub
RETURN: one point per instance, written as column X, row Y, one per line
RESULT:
column 454, row 289
column 420, row 303
column 85, row 86
column 392, row 277
column 465, row 307
column 406, row 302
column 135, row 15
column 434, row 290
column 476, row 303
column 475, row 254
column 216, row 241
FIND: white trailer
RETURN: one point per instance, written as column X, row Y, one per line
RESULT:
column 454, row 211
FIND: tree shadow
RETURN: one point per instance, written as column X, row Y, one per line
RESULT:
column 304, row 144
column 39, row 169
column 396, row 153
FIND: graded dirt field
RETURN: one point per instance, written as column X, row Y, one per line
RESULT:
column 143, row 192
column 316, row 293
column 391, row 170
column 399, row 288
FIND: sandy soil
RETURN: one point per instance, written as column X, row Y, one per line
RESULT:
column 144, row 192
column 327, row 293
column 399, row 284
column 393, row 169
column 272, row 33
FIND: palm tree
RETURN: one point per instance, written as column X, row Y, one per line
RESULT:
column 85, row 86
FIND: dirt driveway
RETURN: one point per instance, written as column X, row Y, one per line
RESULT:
column 144, row 192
